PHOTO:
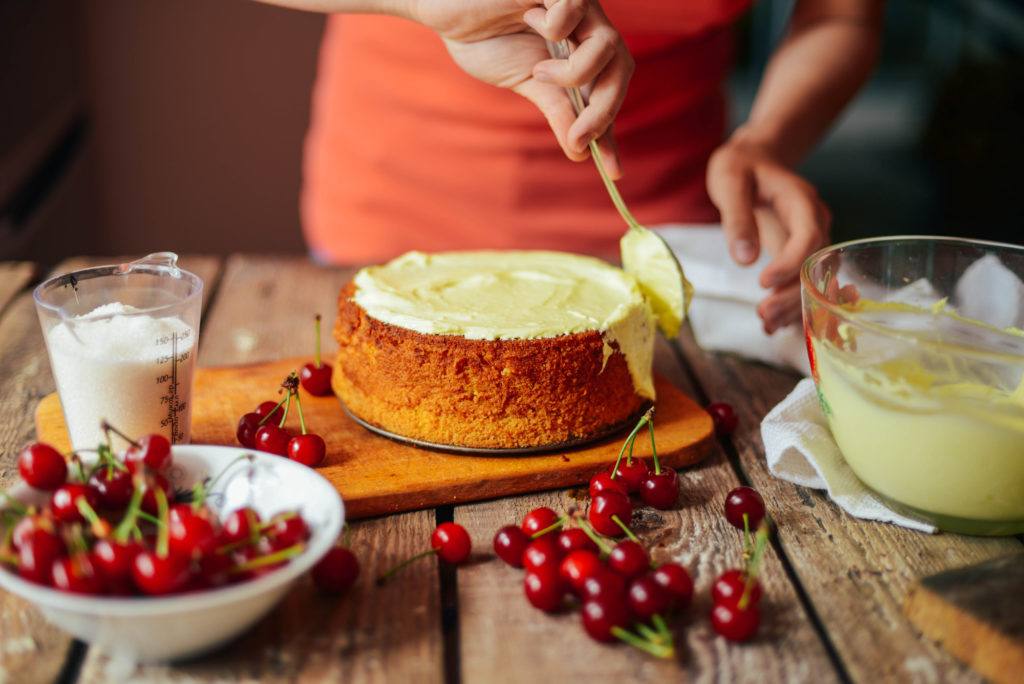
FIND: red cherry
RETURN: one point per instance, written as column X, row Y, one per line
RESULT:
column 542, row 552
column 64, row 501
column 239, row 526
column 731, row 584
column 156, row 481
column 76, row 574
column 268, row 407
column 316, row 379
column 629, row 559
column 29, row 524
column 113, row 487
column 245, row 433
column 509, row 543
column 307, row 449
column 602, row 615
column 37, row 552
column 676, row 580
column 157, row 575
column 574, row 539
column 604, row 584
column 452, row 542
column 724, row 418
column 577, row 567
column 543, row 587
column 538, row 519
column 214, row 570
column 113, row 560
column 603, row 507
column 154, row 451
column 337, row 571
column 660, row 490
column 646, row 597
column 633, row 474
column 602, row 481
column 733, row 623
column 42, row 467
column 287, row 530
column 272, row 439
column 190, row 533
column 744, row 501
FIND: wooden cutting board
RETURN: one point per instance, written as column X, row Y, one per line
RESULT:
column 377, row 476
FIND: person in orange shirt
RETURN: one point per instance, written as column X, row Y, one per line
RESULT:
column 412, row 146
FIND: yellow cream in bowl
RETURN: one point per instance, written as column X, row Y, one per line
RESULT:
column 501, row 295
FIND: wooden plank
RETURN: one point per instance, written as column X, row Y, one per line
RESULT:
column 263, row 311
column 14, row 276
column 856, row 573
column 504, row 639
column 31, row 650
column 402, row 477
column 975, row 613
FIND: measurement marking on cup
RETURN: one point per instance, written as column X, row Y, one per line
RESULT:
column 175, row 406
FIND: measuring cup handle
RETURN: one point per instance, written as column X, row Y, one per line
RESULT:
column 168, row 260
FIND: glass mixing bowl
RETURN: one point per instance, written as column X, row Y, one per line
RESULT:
column 917, row 351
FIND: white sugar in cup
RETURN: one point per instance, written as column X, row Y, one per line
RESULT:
column 122, row 342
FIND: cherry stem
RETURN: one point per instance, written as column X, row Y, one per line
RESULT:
column 108, row 428
column 316, row 356
column 654, row 449
column 659, row 624
column 287, row 405
column 163, row 531
column 602, row 545
column 17, row 506
column 265, row 418
column 128, row 523
column 648, row 633
column 149, row 518
column 656, row 650
column 100, row 527
column 298, row 405
column 625, row 529
column 77, row 462
column 269, row 559
column 747, row 544
column 550, row 528
column 754, row 567
column 629, row 442
column 202, row 488
column 408, row 561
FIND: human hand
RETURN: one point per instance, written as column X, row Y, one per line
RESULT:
column 765, row 205
column 501, row 42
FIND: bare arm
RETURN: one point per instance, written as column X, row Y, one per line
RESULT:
column 827, row 55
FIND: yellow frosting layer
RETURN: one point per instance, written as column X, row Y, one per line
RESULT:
column 502, row 295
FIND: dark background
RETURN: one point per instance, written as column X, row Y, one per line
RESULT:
column 128, row 126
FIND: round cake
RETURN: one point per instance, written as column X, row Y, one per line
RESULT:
column 494, row 349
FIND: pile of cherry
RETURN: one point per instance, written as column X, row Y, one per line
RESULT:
column 264, row 428
column 118, row 528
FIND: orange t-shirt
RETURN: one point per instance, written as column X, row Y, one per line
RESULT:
column 406, row 151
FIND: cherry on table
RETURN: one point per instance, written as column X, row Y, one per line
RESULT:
column 735, row 623
column 544, row 589
column 724, row 418
column 272, row 439
column 245, row 433
column 603, row 507
column 509, row 543
column 451, row 542
column 542, row 552
column 632, row 474
column 646, row 597
column 573, row 539
column 603, row 584
column 42, row 466
column 576, row 567
column 676, row 580
column 152, row 450
column 113, row 487
column 267, row 408
column 602, row 615
column 538, row 519
column 603, row 481
column 337, row 571
column 316, row 376
column 744, row 501
column 730, row 585
column 64, row 502
column 629, row 559
column 75, row 574
column 660, row 490
column 308, row 449
column 37, row 552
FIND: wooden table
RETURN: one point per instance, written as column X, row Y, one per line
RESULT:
column 834, row 585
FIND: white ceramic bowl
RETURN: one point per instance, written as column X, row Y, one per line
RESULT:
column 156, row 629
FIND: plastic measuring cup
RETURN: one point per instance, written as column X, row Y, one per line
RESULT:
column 122, row 342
